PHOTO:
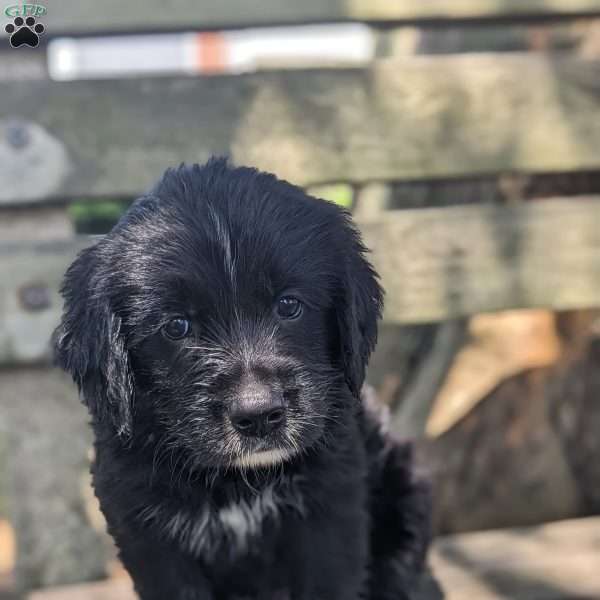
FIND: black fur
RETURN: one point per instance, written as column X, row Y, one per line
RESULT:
column 341, row 514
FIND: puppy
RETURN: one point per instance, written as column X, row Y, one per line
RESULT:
column 219, row 335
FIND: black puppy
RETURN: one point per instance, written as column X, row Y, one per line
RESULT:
column 219, row 335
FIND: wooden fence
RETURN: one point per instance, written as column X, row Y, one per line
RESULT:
column 397, row 119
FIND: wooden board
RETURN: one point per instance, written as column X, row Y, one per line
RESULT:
column 447, row 262
column 86, row 16
column 558, row 561
column 435, row 264
column 30, row 305
column 412, row 118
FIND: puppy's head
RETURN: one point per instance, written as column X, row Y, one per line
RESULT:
column 228, row 313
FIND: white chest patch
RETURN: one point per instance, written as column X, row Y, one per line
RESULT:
column 242, row 521
column 204, row 532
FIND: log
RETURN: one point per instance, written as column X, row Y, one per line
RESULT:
column 505, row 464
column 527, row 452
column 410, row 118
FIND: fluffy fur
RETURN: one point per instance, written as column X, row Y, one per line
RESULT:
column 326, row 506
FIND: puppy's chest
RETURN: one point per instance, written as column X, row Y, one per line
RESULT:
column 243, row 521
column 233, row 529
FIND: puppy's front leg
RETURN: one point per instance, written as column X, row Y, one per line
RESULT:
column 161, row 573
column 331, row 558
column 401, row 529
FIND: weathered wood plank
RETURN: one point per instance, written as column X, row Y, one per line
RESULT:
column 39, row 222
column 448, row 262
column 30, row 305
column 86, row 16
column 435, row 264
column 412, row 118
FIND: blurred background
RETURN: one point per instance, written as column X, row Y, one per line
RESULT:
column 465, row 137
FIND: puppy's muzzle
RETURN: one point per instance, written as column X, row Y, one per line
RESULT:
column 257, row 410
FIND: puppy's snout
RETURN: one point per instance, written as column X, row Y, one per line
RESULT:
column 257, row 411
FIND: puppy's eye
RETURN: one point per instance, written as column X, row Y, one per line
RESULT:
column 177, row 329
column 289, row 307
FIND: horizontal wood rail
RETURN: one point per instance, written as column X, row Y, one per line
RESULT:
column 435, row 264
column 441, row 263
column 414, row 118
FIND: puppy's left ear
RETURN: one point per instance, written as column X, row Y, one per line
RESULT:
column 362, row 305
column 90, row 346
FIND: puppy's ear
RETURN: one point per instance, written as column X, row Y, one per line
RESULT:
column 90, row 346
column 362, row 305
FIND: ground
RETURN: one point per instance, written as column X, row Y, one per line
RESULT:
column 558, row 561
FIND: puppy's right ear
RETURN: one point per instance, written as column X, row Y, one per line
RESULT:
column 361, row 307
column 89, row 344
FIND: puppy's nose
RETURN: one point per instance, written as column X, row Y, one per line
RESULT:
column 257, row 411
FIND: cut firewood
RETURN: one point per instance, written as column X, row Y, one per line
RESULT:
column 500, row 346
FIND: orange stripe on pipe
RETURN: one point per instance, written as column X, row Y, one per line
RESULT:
column 211, row 53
